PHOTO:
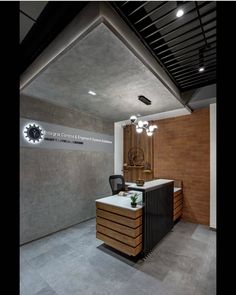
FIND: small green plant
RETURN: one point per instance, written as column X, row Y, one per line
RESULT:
column 134, row 199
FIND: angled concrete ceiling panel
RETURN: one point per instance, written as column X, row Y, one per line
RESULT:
column 100, row 62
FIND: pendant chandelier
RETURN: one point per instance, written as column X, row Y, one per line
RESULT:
column 143, row 125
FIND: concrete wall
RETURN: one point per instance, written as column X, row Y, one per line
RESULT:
column 58, row 188
column 213, row 166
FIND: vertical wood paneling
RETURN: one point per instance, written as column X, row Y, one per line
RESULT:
column 134, row 139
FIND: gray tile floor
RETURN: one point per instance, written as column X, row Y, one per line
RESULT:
column 73, row 262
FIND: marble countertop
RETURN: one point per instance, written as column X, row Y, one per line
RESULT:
column 176, row 189
column 149, row 184
column 122, row 201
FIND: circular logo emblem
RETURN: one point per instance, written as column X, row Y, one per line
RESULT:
column 33, row 133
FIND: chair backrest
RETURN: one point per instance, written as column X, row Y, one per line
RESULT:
column 117, row 183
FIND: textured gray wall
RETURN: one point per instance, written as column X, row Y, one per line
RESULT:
column 58, row 188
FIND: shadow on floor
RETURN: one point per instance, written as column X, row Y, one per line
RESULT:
column 130, row 260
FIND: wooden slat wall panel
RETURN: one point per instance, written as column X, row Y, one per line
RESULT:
column 178, row 209
column 120, row 232
column 133, row 223
column 177, row 193
column 177, row 198
column 178, row 203
column 121, row 211
column 118, row 236
column 177, row 215
column 131, row 232
column 133, row 251
column 134, row 139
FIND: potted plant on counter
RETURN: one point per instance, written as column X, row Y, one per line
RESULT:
column 134, row 200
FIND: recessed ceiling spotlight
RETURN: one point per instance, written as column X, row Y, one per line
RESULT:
column 179, row 13
column 201, row 69
column 92, row 93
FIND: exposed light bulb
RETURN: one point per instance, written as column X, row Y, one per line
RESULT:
column 201, row 69
column 145, row 124
column 140, row 124
column 133, row 119
column 155, row 126
column 139, row 130
column 149, row 133
column 151, row 128
column 179, row 13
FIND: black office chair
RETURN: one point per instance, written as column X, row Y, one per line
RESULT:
column 117, row 183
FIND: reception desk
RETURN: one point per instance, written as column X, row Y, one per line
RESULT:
column 136, row 230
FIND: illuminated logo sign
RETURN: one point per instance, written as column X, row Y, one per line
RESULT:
column 33, row 133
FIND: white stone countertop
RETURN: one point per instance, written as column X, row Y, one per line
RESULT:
column 149, row 184
column 122, row 201
column 176, row 189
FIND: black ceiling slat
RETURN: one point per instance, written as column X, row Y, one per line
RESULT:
column 197, row 74
column 200, row 21
column 195, row 50
column 189, row 43
column 137, row 9
column 186, row 53
column 198, row 84
column 190, row 38
column 192, row 86
column 151, row 12
column 129, row 22
column 170, row 23
column 182, row 49
column 123, row 4
column 180, row 27
column 184, row 34
column 195, row 69
column 193, row 80
column 189, row 58
column 164, row 16
column 206, row 77
column 197, row 79
column 189, row 64
column 159, row 19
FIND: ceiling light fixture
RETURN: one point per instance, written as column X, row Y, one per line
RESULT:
column 92, row 92
column 201, row 69
column 144, row 100
column 179, row 13
column 143, row 125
